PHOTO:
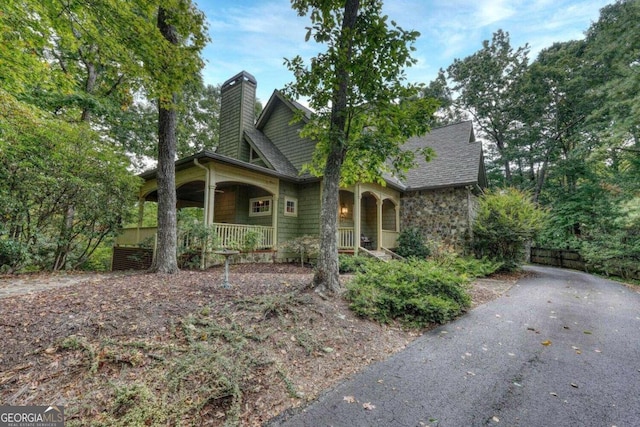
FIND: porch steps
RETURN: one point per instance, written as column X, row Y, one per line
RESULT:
column 381, row 255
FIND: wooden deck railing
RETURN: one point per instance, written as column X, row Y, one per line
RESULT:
column 233, row 235
column 346, row 238
column 228, row 235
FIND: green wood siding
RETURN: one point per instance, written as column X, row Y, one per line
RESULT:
column 388, row 216
column 285, row 136
column 225, row 206
column 288, row 226
column 230, row 122
column 309, row 209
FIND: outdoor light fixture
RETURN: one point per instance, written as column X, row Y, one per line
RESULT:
column 343, row 211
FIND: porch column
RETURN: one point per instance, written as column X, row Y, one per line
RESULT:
column 140, row 216
column 357, row 201
column 274, row 220
column 209, row 196
column 379, row 221
column 397, row 209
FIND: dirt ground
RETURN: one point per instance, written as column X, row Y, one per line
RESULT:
column 141, row 349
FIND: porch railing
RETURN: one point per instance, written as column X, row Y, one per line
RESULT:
column 137, row 236
column 346, row 238
column 228, row 235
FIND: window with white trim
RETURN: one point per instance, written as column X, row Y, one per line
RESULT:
column 260, row 206
column 290, row 206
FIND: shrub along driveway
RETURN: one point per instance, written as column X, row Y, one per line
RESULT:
column 560, row 348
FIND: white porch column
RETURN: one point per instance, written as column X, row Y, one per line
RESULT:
column 210, row 197
column 379, row 221
column 141, row 201
column 274, row 220
column 357, row 202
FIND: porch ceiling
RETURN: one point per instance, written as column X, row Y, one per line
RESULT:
column 189, row 192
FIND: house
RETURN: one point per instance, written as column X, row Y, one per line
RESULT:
column 254, row 182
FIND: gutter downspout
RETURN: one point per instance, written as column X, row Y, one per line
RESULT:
column 206, row 210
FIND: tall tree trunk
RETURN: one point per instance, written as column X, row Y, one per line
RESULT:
column 166, row 249
column 327, row 277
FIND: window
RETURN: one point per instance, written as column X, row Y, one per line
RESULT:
column 260, row 206
column 290, row 206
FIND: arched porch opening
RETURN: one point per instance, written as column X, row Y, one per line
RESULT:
column 390, row 227
column 346, row 222
column 242, row 213
column 369, row 230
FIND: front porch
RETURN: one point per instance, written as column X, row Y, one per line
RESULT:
column 247, row 210
column 225, row 236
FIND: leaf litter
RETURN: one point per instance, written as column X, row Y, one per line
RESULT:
column 162, row 349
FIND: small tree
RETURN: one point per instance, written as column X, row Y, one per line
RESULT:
column 507, row 220
column 304, row 246
column 358, row 123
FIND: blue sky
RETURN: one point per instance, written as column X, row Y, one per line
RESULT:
column 255, row 36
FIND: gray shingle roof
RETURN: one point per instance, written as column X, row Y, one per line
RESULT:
column 457, row 162
column 270, row 152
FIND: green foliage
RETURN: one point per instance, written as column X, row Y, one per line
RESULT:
column 305, row 247
column 416, row 293
column 468, row 267
column 487, row 83
column 63, row 190
column 100, row 259
column 411, row 244
column 376, row 80
column 353, row 263
column 252, row 240
column 616, row 249
column 195, row 239
column 506, row 221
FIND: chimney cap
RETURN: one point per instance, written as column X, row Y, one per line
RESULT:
column 241, row 76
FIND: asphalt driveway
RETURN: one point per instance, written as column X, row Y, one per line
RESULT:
column 561, row 348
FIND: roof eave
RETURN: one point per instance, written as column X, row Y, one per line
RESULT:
column 209, row 155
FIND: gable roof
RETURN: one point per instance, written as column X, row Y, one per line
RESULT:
column 276, row 97
column 458, row 161
column 270, row 152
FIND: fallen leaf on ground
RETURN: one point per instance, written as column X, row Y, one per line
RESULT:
column 546, row 343
column 349, row 399
column 368, row 406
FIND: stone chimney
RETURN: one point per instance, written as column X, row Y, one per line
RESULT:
column 238, row 99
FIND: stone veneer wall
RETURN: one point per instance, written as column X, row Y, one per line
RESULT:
column 444, row 215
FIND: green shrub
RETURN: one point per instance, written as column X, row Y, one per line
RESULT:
column 353, row 263
column 416, row 293
column 469, row 267
column 304, row 247
column 252, row 241
column 506, row 221
column 411, row 244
